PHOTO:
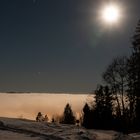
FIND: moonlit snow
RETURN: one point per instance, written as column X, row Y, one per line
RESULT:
column 21, row 129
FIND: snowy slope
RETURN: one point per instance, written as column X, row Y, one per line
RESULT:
column 19, row 129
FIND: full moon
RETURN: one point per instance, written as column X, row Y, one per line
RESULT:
column 110, row 14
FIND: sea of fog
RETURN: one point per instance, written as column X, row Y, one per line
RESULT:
column 27, row 105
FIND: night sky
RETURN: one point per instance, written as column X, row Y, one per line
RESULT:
column 60, row 45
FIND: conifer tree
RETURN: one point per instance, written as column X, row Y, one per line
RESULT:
column 68, row 116
column 102, row 113
column 134, row 76
column 87, row 117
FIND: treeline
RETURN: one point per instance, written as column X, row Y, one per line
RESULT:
column 117, row 102
column 68, row 117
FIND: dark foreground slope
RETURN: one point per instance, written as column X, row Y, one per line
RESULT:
column 20, row 129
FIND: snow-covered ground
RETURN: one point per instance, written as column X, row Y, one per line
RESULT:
column 20, row 129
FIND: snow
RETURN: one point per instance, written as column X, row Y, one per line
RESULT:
column 21, row 129
column 6, row 135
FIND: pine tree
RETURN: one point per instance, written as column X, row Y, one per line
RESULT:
column 87, row 117
column 68, row 116
column 134, row 76
column 102, row 114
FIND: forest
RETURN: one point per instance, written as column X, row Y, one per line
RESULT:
column 117, row 100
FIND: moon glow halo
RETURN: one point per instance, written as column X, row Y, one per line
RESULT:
column 110, row 14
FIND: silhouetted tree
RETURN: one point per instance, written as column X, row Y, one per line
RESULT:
column 39, row 117
column 116, row 76
column 134, row 77
column 102, row 113
column 87, row 116
column 131, row 93
column 68, row 116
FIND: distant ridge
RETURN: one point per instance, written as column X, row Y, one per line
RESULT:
column 16, row 92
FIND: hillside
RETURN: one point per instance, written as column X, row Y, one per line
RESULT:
column 20, row 129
